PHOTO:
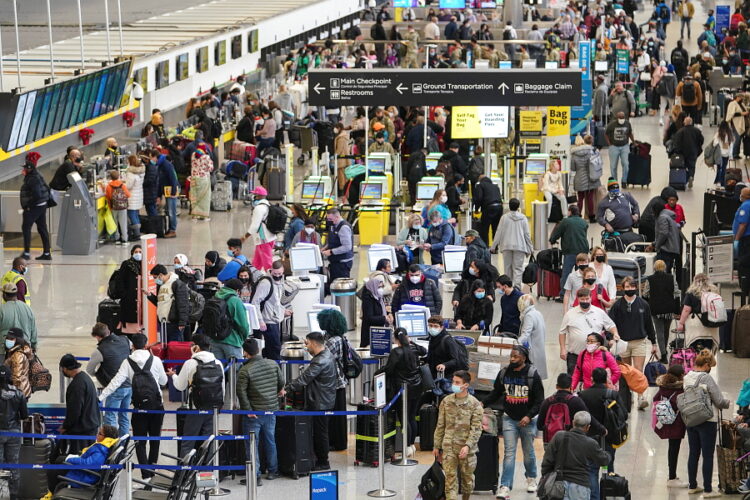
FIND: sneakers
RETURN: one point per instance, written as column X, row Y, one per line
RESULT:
column 26, row 255
column 411, row 450
column 44, row 256
column 319, row 467
column 642, row 403
column 531, row 485
column 661, row 123
column 503, row 493
column 693, row 491
column 744, row 488
column 712, row 494
column 272, row 475
column 676, row 483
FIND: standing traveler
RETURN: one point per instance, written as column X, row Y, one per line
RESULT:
column 151, row 186
column 572, row 454
column 18, row 355
column 258, row 386
column 203, row 374
column 600, row 107
column 145, row 373
column 117, row 195
column 111, row 351
column 618, row 211
column 520, row 391
column 691, row 97
column 680, row 60
column 688, row 141
column 459, row 427
column 735, row 117
column 339, row 246
column 413, row 237
column 15, row 276
column 647, row 223
column 702, row 437
column 474, row 311
column 374, row 311
column 440, row 234
column 296, row 225
column 35, row 198
column 619, row 135
column 81, row 405
column 668, row 238
column 692, row 307
column 417, row 290
column 476, row 270
column 550, row 409
column 488, row 200
column 201, row 167
column 510, row 321
column 443, row 353
column 605, row 275
column 134, row 177
column 659, row 292
column 572, row 232
column 513, row 238
column 59, row 183
column 333, row 324
column 14, row 411
column 577, row 324
column 239, row 329
column 586, row 165
column 128, row 286
column 318, row 381
column 723, row 140
column 168, row 188
column 236, row 261
column 16, row 314
column 476, row 249
column 171, row 301
column 599, row 295
column 686, row 10
column 670, row 386
column 619, row 101
column 594, row 356
column 574, row 282
column 533, row 333
column 665, row 90
column 594, row 398
column 267, row 299
column 264, row 239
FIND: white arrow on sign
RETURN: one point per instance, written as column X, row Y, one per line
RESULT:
column 318, row 88
column 502, row 88
column 401, row 89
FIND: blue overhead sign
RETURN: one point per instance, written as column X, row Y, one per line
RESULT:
column 584, row 59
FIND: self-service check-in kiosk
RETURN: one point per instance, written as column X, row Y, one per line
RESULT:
column 77, row 232
column 306, row 261
column 453, row 265
column 374, row 214
column 535, row 167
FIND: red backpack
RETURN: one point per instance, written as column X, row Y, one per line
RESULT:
column 557, row 418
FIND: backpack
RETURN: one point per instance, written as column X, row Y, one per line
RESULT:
column 664, row 13
column 276, row 219
column 113, row 289
column 255, row 288
column 615, row 420
column 476, row 168
column 695, row 405
column 663, row 413
column 596, row 166
column 119, row 198
column 531, row 272
column 446, row 168
column 216, row 129
column 432, row 484
column 463, row 355
column 146, row 392
column 197, row 304
column 557, row 418
column 661, row 87
column 351, row 363
column 507, row 35
column 40, row 378
column 688, row 92
column 207, row 389
column 713, row 310
column 216, row 322
column 678, row 58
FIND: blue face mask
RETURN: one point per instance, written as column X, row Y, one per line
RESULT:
column 230, row 254
column 479, row 295
column 178, row 266
column 137, row 257
column 159, row 281
column 455, row 388
column 152, row 162
column 434, row 331
column 10, row 344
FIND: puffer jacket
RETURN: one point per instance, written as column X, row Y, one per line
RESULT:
column 150, row 184
column 425, row 293
column 648, row 220
column 669, row 388
column 667, row 233
column 580, row 166
column 94, row 455
column 134, row 182
column 34, row 190
column 586, row 364
column 13, row 408
column 17, row 360
column 258, row 385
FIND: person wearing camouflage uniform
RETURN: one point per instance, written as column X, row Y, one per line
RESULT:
column 411, row 59
column 457, row 436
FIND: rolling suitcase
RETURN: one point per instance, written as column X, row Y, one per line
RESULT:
column 639, row 173
column 740, row 328
column 366, row 451
column 294, row 445
column 678, row 178
column 549, row 284
column 275, row 180
column 108, row 312
column 556, row 214
column 242, row 151
column 725, row 331
column 488, row 463
column 428, row 415
column 154, row 224
column 221, row 196
column 33, row 482
column 600, row 139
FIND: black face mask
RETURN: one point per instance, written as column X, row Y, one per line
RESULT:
column 277, row 278
column 590, row 281
column 600, row 258
column 630, row 293
column 584, row 305
column 245, row 280
column 582, row 267
column 514, row 366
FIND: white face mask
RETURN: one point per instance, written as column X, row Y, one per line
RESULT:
column 309, row 230
column 381, row 292
column 621, row 121
column 416, row 226
column 415, row 279
column 443, row 199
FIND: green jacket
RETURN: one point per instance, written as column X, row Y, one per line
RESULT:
column 572, row 233
column 18, row 314
column 236, row 310
column 258, row 384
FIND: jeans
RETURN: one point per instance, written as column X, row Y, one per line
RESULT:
column 575, row 491
column 265, row 143
column 272, row 338
column 119, row 399
column 134, row 217
column 668, row 258
column 151, row 209
column 264, row 428
column 38, row 216
column 594, row 481
column 721, row 170
column 621, row 153
column 147, row 424
column 10, row 447
column 685, row 21
column 702, row 442
column 512, row 431
column 569, row 262
column 172, row 213
column 225, row 351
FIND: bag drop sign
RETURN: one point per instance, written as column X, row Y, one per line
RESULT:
column 558, row 120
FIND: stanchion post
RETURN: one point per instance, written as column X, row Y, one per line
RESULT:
column 129, row 482
column 217, row 491
column 381, row 492
column 62, row 386
column 404, row 462
column 253, row 479
column 248, row 486
column 232, row 382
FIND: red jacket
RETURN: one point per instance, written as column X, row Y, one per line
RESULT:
column 679, row 212
column 669, row 387
column 586, row 364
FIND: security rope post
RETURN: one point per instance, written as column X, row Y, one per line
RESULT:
column 217, row 491
column 232, row 382
column 253, row 478
column 404, row 462
column 248, row 487
column 63, row 384
column 381, row 492
column 129, row 480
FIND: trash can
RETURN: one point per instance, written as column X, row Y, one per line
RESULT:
column 541, row 231
column 359, row 388
column 292, row 351
column 344, row 292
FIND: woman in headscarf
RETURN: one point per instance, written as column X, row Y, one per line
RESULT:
column 128, row 284
column 187, row 274
column 200, row 183
column 477, row 270
column 475, row 307
column 214, row 264
column 533, row 333
column 374, row 311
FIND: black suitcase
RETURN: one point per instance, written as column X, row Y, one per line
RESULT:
column 555, row 214
column 154, row 224
column 622, row 267
column 488, row 463
column 550, row 260
column 620, row 242
column 600, row 139
column 33, row 482
column 428, row 415
column 367, row 436
column 275, row 180
column 108, row 313
column 639, row 172
column 294, row 445
column 614, row 486
column 678, row 178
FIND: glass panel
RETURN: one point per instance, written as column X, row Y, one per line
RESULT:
column 61, row 105
column 108, row 91
column 117, row 86
column 35, row 115
column 80, row 94
column 220, row 53
column 100, row 94
column 17, row 121
column 56, row 91
column 69, row 116
column 91, row 101
column 44, row 114
column 27, row 118
column 236, row 47
column 182, row 67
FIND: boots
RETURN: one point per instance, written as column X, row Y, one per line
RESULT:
column 135, row 232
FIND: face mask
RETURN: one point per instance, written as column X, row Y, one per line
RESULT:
column 621, row 121
column 590, row 281
column 479, row 295
column 178, row 266
column 22, row 271
column 230, row 254
column 416, row 226
column 434, row 332
column 159, row 281
column 629, row 293
column 137, row 257
column 309, row 230
column 472, row 271
column 443, row 199
column 600, row 258
column 9, row 344
column 725, row 61
column 436, row 224
column 614, row 193
column 582, row 267
column 152, row 162
column 591, row 347
column 513, row 365
column 380, row 292
column 245, row 280
column 255, row 202
column 455, row 388
column 415, row 279
column 584, row 305
column 278, row 278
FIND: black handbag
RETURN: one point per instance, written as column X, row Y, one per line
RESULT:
column 531, row 273
column 614, row 485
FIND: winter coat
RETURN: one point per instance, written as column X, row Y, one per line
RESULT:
column 443, row 351
column 134, row 177
column 475, row 251
column 513, row 233
column 94, row 455
column 648, row 220
column 258, row 384
column 167, row 176
column 424, row 293
column 372, row 314
column 667, row 233
column 670, row 85
column 319, row 381
column 150, row 184
column 581, row 167
column 34, row 191
column 487, row 273
column 688, row 141
column 17, row 359
column 532, row 335
column 617, row 211
column 471, row 311
column 586, row 364
column 128, row 288
column 669, row 388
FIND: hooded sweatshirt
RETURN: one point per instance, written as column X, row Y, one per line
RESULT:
column 513, row 233
column 238, row 315
column 667, row 232
column 669, row 388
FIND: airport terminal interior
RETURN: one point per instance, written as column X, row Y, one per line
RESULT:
column 142, row 57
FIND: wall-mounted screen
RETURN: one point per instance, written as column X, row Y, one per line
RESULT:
column 220, row 53
column 183, row 71
column 252, row 41
column 201, row 60
column 162, row 74
column 236, row 47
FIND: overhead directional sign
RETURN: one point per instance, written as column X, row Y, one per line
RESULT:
column 447, row 87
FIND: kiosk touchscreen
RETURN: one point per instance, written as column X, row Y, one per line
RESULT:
column 371, row 191
column 305, row 258
column 439, row 180
column 377, row 252
column 312, row 321
column 426, row 190
column 535, row 167
column 378, row 163
column 414, row 322
column 453, row 261
column 313, row 190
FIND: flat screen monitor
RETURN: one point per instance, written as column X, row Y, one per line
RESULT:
column 414, row 322
column 453, row 261
column 312, row 190
column 550, row 65
column 312, row 321
column 371, row 191
column 505, row 65
column 375, row 254
column 431, row 163
column 376, row 165
column 452, row 4
column 536, row 166
column 600, row 66
column 304, row 258
column 425, row 191
column 405, row 4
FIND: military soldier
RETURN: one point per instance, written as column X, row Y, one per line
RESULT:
column 457, row 435
column 412, row 49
